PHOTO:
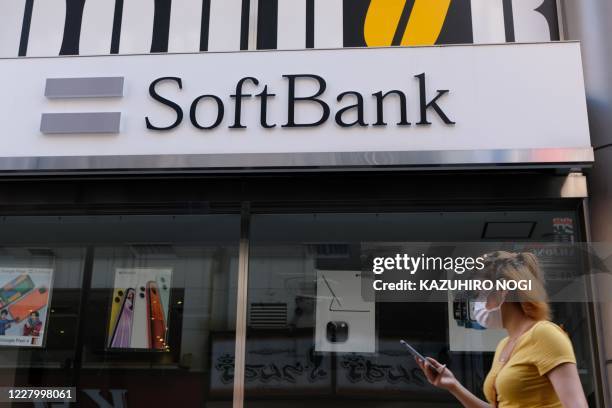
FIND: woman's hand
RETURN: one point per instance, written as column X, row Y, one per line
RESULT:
column 437, row 374
column 440, row 376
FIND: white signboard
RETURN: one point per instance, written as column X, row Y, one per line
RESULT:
column 345, row 322
column 401, row 106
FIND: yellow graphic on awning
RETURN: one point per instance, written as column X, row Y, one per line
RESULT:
column 381, row 21
column 423, row 28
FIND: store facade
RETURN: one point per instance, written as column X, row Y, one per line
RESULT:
column 205, row 176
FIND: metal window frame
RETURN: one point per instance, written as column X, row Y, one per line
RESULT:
column 561, row 20
column 594, row 323
column 242, row 307
column 242, row 291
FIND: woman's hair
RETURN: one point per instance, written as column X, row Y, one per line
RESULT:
column 502, row 265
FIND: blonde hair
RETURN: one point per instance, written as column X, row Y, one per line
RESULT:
column 522, row 266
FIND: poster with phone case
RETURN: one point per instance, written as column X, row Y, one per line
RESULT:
column 345, row 322
column 138, row 317
column 464, row 332
column 25, row 295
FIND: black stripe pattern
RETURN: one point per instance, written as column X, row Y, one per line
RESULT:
column 267, row 23
column 244, row 24
column 72, row 27
column 161, row 26
column 509, row 20
column 205, row 24
column 310, row 23
column 457, row 27
column 116, row 35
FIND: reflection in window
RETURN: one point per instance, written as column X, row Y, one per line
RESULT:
column 136, row 306
column 310, row 341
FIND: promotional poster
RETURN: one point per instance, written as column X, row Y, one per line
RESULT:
column 345, row 322
column 25, row 295
column 139, row 309
column 464, row 332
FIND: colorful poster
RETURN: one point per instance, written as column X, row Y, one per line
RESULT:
column 563, row 229
column 139, row 309
column 25, row 294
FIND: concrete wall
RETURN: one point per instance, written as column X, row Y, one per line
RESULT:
column 590, row 21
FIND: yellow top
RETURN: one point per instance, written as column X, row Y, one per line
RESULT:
column 522, row 380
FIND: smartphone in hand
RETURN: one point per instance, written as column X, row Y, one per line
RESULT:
column 416, row 354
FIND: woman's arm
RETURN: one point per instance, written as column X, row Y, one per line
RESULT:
column 566, row 383
column 442, row 377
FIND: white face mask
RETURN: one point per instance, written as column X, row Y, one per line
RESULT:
column 488, row 318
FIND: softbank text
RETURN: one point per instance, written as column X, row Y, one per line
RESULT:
column 345, row 115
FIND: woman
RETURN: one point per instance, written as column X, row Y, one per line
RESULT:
column 33, row 325
column 535, row 365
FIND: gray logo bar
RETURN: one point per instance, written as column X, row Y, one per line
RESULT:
column 82, row 122
column 95, row 87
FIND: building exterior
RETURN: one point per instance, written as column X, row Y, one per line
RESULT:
column 179, row 178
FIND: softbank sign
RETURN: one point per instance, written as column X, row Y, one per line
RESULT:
column 345, row 116
column 387, row 106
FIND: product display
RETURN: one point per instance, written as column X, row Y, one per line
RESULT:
column 139, row 309
column 345, row 322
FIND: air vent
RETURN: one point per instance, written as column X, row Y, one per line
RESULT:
column 332, row 250
column 41, row 252
column 153, row 250
column 268, row 315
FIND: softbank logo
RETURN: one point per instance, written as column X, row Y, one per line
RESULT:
column 82, row 122
column 330, row 107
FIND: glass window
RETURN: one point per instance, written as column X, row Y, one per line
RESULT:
column 302, row 267
column 137, row 306
column 40, row 297
column 141, row 310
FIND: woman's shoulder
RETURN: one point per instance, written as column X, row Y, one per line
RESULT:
column 548, row 334
column 549, row 346
column 545, row 328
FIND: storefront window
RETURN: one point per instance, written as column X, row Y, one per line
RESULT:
column 141, row 310
column 40, row 292
column 137, row 304
column 305, row 347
